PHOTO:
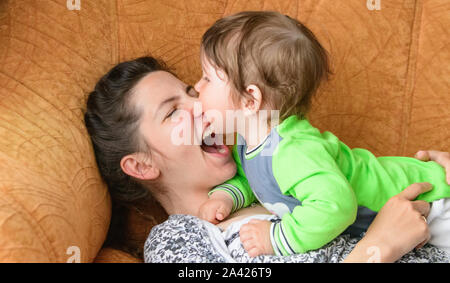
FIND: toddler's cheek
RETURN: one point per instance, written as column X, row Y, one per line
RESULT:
column 210, row 107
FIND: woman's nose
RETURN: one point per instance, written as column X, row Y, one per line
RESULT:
column 194, row 106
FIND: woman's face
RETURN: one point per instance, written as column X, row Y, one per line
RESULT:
column 167, row 119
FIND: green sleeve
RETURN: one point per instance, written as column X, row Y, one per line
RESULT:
column 238, row 186
column 305, row 170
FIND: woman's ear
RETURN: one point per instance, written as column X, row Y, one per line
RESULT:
column 139, row 166
column 252, row 104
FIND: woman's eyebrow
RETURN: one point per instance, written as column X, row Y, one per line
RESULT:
column 173, row 98
column 168, row 100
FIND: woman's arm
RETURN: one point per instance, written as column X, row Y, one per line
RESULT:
column 399, row 226
column 397, row 229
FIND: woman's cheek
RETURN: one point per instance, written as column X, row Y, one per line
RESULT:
column 181, row 131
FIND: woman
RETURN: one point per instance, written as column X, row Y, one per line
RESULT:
column 129, row 120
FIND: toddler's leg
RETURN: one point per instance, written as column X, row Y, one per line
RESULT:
column 439, row 224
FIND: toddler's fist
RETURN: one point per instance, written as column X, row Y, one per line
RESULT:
column 217, row 208
column 255, row 237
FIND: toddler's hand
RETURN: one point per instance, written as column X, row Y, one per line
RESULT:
column 217, row 208
column 255, row 237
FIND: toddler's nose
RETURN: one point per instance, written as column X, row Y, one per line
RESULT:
column 197, row 86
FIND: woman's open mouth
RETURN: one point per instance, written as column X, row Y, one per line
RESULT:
column 212, row 143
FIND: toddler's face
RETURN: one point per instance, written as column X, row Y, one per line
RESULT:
column 215, row 95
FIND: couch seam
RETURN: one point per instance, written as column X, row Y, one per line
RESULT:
column 410, row 74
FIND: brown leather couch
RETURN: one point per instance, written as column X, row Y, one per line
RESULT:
column 389, row 93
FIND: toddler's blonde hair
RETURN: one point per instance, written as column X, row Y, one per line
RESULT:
column 272, row 51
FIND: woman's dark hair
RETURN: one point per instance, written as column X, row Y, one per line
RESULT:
column 112, row 122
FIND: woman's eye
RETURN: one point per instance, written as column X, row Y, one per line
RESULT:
column 171, row 113
column 206, row 79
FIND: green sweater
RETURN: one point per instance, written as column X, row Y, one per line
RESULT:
column 319, row 186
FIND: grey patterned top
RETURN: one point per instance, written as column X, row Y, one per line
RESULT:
column 187, row 239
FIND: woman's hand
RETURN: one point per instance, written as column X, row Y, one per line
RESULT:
column 440, row 157
column 397, row 229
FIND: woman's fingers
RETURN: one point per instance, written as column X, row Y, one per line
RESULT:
column 422, row 207
column 423, row 223
column 441, row 157
column 414, row 190
column 400, row 225
column 422, row 155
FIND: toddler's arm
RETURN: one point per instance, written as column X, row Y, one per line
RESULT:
column 238, row 187
column 228, row 197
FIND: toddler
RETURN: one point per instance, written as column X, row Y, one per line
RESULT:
column 262, row 61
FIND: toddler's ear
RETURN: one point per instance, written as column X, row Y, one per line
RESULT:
column 252, row 104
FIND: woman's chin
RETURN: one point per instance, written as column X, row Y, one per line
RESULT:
column 220, row 157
